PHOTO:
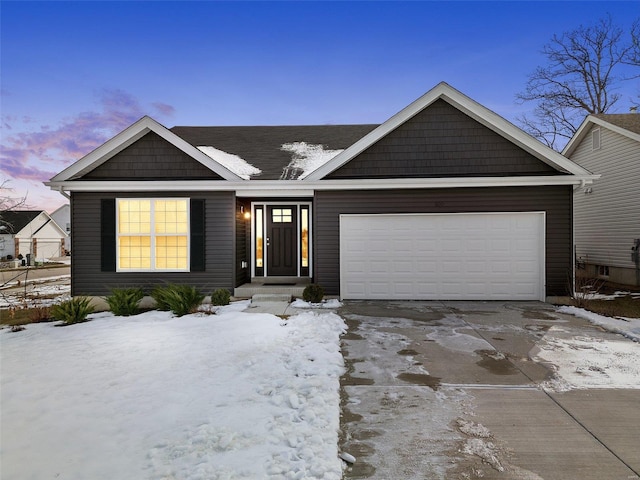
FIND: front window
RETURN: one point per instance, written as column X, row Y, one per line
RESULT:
column 153, row 234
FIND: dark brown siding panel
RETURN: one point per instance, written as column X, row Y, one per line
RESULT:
column 151, row 158
column 87, row 277
column 441, row 141
column 556, row 201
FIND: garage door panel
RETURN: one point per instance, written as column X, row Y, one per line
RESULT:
column 492, row 256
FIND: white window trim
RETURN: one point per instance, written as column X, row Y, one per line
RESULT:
column 153, row 235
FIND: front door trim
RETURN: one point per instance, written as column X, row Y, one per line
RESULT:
column 264, row 205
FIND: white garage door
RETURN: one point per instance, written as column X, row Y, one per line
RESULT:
column 466, row 256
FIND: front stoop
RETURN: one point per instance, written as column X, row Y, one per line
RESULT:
column 248, row 290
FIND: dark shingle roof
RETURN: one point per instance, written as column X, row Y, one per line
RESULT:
column 262, row 146
column 16, row 220
column 628, row 121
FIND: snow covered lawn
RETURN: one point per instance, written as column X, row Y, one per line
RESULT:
column 226, row 396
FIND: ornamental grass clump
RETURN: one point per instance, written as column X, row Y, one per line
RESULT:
column 124, row 301
column 313, row 293
column 220, row 297
column 72, row 311
column 179, row 299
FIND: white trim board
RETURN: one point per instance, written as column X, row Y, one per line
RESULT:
column 297, row 188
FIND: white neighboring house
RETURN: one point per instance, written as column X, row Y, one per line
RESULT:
column 30, row 232
column 607, row 214
column 62, row 216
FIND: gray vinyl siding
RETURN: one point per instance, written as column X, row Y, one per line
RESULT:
column 151, row 158
column 243, row 244
column 607, row 220
column 442, row 141
column 554, row 200
column 87, row 277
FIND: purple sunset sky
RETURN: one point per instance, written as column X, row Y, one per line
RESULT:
column 76, row 73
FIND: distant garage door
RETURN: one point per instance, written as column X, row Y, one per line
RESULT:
column 463, row 256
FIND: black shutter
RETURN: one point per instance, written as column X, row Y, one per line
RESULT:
column 108, row 235
column 197, row 235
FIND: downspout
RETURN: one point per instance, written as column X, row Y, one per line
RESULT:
column 64, row 194
column 583, row 183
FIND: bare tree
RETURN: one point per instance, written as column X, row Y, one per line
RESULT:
column 9, row 202
column 580, row 79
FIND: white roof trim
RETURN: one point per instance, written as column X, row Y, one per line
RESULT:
column 303, row 187
column 585, row 128
column 467, row 106
column 28, row 231
column 126, row 138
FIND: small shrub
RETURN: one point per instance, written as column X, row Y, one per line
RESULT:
column 313, row 293
column 180, row 299
column 159, row 296
column 221, row 296
column 124, row 301
column 72, row 311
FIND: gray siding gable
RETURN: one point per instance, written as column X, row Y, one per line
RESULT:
column 442, row 141
column 151, row 158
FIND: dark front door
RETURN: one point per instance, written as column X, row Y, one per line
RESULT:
column 282, row 240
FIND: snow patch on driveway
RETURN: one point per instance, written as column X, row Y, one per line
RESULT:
column 589, row 361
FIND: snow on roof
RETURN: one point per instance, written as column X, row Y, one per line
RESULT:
column 307, row 157
column 231, row 162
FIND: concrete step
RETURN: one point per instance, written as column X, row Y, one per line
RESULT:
column 248, row 290
column 270, row 297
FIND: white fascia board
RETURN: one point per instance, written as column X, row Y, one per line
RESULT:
column 577, row 137
column 302, row 188
column 129, row 136
column 468, row 106
column 585, row 128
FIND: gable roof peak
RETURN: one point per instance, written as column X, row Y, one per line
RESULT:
column 625, row 124
column 467, row 106
column 125, row 139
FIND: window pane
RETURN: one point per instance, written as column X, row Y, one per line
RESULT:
column 259, row 262
column 171, row 216
column 171, row 253
column 304, row 226
column 135, row 252
column 133, row 216
column 281, row 215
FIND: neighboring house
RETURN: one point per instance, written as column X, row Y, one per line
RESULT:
column 62, row 216
column 30, row 232
column 607, row 214
column 445, row 200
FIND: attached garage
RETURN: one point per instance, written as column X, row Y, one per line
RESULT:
column 459, row 256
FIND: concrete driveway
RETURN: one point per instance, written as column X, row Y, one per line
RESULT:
column 452, row 390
